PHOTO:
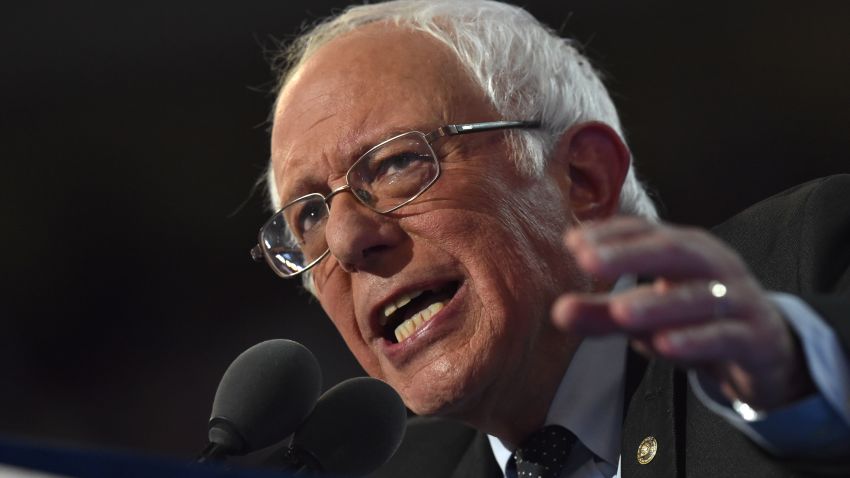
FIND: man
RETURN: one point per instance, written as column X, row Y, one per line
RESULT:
column 457, row 194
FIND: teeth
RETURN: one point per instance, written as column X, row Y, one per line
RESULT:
column 399, row 303
column 411, row 325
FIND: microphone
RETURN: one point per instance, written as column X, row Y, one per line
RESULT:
column 355, row 428
column 262, row 398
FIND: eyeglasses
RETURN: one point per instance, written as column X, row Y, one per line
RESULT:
column 385, row 178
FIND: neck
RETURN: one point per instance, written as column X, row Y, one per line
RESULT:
column 517, row 406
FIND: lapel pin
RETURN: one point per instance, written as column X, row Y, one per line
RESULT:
column 646, row 450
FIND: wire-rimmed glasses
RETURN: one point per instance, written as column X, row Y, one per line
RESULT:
column 385, row 178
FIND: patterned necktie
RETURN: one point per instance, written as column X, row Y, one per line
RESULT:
column 543, row 454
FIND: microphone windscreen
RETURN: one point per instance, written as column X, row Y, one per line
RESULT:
column 355, row 428
column 264, row 395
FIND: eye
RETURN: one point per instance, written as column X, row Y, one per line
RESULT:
column 399, row 163
column 364, row 196
column 309, row 216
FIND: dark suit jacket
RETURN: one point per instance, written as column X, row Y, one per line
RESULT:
column 797, row 241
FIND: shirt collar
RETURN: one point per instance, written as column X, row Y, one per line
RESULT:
column 589, row 400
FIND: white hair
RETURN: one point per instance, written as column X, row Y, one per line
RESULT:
column 524, row 68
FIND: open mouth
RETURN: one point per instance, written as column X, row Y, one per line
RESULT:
column 408, row 313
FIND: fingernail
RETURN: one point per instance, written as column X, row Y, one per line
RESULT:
column 564, row 312
column 560, row 309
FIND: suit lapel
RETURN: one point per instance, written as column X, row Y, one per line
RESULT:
column 654, row 425
column 478, row 461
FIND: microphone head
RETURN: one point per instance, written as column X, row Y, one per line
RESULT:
column 264, row 395
column 355, row 428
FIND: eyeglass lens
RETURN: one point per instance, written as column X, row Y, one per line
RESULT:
column 385, row 178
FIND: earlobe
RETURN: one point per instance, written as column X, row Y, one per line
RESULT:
column 595, row 160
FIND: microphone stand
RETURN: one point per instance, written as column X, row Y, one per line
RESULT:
column 213, row 452
column 300, row 462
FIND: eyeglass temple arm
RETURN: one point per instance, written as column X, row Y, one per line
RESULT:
column 454, row 129
column 257, row 253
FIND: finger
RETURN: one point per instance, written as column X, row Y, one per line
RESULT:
column 717, row 341
column 645, row 309
column 602, row 231
column 583, row 241
column 642, row 346
column 650, row 308
column 675, row 254
column 584, row 314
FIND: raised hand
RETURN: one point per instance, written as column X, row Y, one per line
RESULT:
column 703, row 309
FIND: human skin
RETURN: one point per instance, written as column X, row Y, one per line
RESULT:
column 493, row 356
column 742, row 345
column 482, row 224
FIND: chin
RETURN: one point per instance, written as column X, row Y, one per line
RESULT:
column 440, row 405
column 445, row 390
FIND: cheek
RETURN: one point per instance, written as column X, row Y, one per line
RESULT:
column 537, row 219
column 517, row 262
column 451, row 378
column 505, row 230
column 524, row 237
column 336, row 297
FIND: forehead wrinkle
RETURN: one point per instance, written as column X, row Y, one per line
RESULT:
column 279, row 159
column 313, row 90
column 283, row 155
column 288, row 156
column 336, row 155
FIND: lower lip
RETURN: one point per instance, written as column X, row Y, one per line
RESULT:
column 438, row 324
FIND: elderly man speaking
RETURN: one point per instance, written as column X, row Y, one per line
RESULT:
column 451, row 182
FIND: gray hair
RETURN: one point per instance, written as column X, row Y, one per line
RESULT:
column 524, row 68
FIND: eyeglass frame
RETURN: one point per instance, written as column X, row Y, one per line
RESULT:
column 259, row 253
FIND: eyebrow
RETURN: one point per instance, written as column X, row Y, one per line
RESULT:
column 307, row 185
column 367, row 145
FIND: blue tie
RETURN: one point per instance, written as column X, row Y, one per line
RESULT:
column 543, row 454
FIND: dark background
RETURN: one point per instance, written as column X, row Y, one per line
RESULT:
column 131, row 134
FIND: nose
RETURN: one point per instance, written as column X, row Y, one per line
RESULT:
column 358, row 237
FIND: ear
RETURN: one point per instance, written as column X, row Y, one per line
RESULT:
column 595, row 160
